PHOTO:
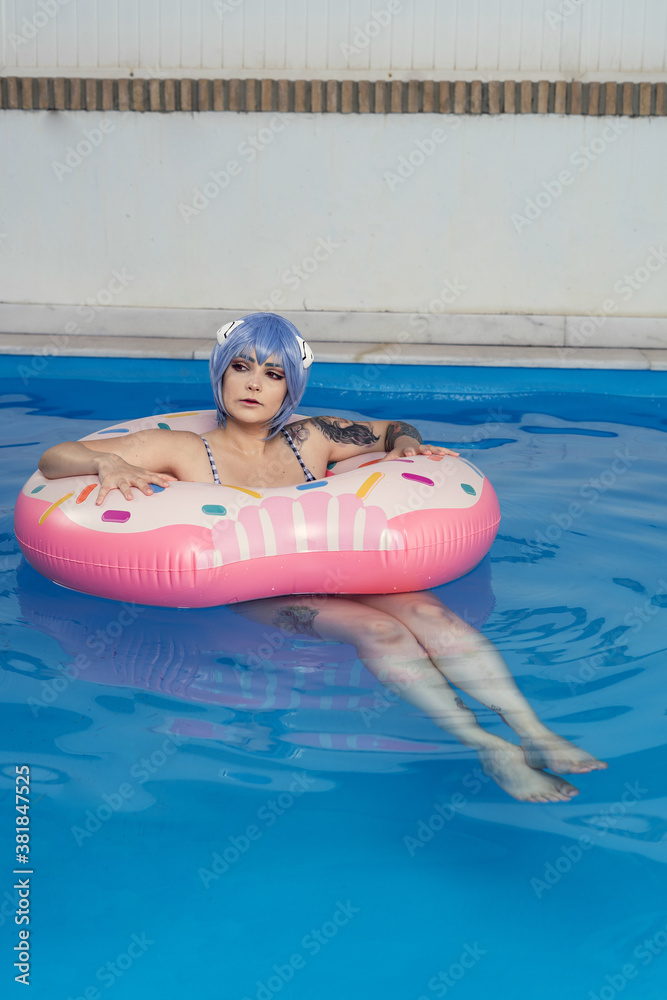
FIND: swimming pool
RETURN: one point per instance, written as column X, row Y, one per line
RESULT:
column 201, row 828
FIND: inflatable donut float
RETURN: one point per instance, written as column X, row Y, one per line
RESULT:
column 403, row 525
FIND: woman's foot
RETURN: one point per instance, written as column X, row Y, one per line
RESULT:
column 508, row 768
column 552, row 751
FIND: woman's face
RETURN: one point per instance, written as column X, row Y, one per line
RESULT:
column 252, row 392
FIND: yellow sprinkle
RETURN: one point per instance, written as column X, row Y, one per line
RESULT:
column 53, row 507
column 241, row 489
column 192, row 413
column 368, row 484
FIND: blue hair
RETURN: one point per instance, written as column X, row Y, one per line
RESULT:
column 265, row 334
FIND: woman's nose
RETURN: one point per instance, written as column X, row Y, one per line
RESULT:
column 254, row 380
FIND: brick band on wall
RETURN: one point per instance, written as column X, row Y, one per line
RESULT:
column 347, row 97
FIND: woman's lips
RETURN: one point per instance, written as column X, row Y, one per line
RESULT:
column 251, row 402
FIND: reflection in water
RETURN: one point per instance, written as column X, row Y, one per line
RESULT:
column 305, row 667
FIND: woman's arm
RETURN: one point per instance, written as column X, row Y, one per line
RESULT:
column 348, row 438
column 120, row 462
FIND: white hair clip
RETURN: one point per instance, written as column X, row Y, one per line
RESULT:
column 307, row 355
column 225, row 331
column 228, row 328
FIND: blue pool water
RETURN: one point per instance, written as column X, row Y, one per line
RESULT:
column 203, row 829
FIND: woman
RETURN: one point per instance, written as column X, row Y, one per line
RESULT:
column 411, row 642
column 259, row 371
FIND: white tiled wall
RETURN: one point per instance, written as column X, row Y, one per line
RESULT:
column 554, row 38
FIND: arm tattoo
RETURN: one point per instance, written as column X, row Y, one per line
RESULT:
column 397, row 429
column 354, row 433
column 298, row 432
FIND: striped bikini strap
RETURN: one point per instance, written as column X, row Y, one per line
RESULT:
column 310, row 478
column 214, row 468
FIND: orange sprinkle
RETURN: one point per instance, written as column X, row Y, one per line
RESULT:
column 191, row 413
column 241, row 489
column 368, row 485
column 53, row 507
column 364, row 464
column 85, row 492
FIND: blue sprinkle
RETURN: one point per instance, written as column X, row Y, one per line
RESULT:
column 214, row 508
column 312, row 486
column 38, row 488
column 156, row 488
column 115, row 430
column 164, row 427
column 470, row 490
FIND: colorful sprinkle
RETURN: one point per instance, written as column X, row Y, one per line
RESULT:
column 470, row 490
column 85, row 492
column 116, row 516
column 373, row 462
column 331, row 465
column 417, row 479
column 242, row 489
column 368, row 484
column 53, row 507
column 155, row 488
column 311, row 486
column 214, row 508
column 191, row 413
column 164, row 427
column 115, row 430
column 38, row 488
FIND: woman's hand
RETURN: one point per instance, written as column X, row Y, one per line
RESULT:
column 117, row 474
column 416, row 448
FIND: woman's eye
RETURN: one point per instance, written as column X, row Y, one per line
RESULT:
column 276, row 375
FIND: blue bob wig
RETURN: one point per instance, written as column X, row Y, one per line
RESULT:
column 262, row 334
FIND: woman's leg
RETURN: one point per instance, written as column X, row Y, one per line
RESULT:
column 472, row 663
column 392, row 654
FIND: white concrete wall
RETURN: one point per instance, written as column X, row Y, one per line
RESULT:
column 587, row 39
column 311, row 212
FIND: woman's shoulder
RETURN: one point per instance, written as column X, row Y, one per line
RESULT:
column 167, row 434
